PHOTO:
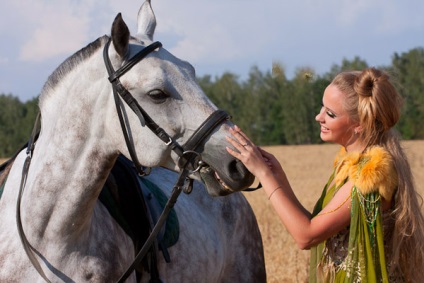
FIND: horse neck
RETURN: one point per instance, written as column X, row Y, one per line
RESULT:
column 72, row 158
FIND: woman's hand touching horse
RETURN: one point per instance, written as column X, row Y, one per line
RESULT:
column 258, row 161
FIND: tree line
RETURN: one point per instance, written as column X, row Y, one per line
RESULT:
column 271, row 108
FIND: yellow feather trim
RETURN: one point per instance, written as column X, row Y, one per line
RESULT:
column 370, row 172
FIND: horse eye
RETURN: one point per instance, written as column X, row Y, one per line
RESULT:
column 158, row 96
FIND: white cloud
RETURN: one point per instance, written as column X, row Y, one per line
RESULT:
column 217, row 35
column 213, row 32
column 49, row 41
column 351, row 11
column 61, row 29
column 45, row 29
column 397, row 18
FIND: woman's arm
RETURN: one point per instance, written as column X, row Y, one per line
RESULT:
column 305, row 230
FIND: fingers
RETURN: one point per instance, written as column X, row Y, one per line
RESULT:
column 242, row 134
column 240, row 137
column 233, row 152
column 236, row 144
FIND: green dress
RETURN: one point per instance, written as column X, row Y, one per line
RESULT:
column 357, row 253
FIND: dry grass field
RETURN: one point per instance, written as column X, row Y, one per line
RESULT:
column 307, row 168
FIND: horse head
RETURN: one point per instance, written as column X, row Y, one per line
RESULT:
column 163, row 91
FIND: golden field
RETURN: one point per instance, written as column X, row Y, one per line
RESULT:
column 308, row 168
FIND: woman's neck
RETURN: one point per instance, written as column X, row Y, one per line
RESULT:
column 355, row 147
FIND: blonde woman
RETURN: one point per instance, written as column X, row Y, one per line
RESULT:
column 367, row 226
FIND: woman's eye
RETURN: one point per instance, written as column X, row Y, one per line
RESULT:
column 158, row 96
column 328, row 112
column 331, row 114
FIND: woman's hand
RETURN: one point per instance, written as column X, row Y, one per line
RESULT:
column 259, row 162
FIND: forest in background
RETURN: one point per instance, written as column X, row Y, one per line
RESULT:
column 271, row 108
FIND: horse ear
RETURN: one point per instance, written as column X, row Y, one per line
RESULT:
column 120, row 35
column 146, row 20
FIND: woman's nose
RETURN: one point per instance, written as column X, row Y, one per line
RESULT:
column 319, row 116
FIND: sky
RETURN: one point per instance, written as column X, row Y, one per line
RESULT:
column 215, row 36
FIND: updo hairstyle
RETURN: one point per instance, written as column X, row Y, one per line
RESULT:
column 372, row 101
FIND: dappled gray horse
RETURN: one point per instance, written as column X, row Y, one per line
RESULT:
column 52, row 223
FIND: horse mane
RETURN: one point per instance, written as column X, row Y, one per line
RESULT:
column 71, row 62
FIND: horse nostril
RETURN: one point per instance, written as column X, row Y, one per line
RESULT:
column 241, row 178
column 240, row 170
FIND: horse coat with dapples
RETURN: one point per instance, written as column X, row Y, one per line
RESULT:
column 69, row 232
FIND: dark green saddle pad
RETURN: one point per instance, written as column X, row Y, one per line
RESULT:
column 2, row 185
column 136, row 204
column 4, row 173
column 156, row 202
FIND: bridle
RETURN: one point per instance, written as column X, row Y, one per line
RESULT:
column 187, row 152
column 189, row 158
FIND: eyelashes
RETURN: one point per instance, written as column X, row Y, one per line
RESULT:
column 328, row 112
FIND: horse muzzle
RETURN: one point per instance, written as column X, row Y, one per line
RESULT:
column 230, row 178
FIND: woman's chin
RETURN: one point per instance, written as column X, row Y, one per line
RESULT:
column 325, row 137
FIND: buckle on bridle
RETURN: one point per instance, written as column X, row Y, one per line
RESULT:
column 169, row 141
column 191, row 158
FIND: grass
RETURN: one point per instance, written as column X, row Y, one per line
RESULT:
column 308, row 168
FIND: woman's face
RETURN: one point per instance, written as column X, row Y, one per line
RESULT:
column 336, row 126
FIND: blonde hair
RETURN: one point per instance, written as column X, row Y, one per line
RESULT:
column 374, row 103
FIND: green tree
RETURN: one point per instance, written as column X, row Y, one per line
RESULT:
column 268, row 106
column 409, row 70
column 262, row 106
column 227, row 93
column 16, row 120
column 302, row 104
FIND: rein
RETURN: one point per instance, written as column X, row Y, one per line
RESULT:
column 29, row 250
column 187, row 153
column 189, row 159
